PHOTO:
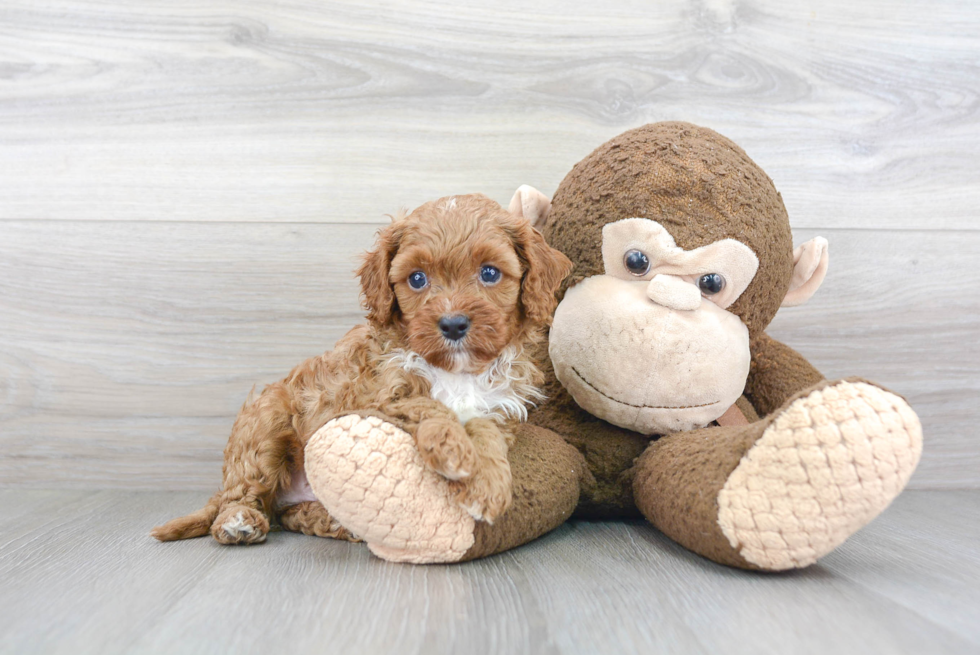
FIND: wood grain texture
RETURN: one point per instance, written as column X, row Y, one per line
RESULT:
column 184, row 188
column 126, row 348
column 865, row 114
column 83, row 577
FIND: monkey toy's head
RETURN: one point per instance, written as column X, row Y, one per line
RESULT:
column 683, row 254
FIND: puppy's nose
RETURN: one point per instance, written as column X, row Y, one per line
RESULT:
column 454, row 327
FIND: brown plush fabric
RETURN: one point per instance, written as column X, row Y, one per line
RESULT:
column 677, row 483
column 698, row 184
column 547, row 474
column 777, row 373
column 701, row 187
column 610, row 451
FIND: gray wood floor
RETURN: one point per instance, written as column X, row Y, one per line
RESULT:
column 80, row 575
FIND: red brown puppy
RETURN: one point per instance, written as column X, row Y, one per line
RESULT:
column 456, row 292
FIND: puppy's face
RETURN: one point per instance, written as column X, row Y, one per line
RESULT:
column 464, row 278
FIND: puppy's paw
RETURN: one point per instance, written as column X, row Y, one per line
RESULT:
column 446, row 448
column 240, row 524
column 488, row 493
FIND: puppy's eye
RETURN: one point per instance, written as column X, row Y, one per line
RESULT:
column 489, row 274
column 418, row 280
column 711, row 284
column 636, row 262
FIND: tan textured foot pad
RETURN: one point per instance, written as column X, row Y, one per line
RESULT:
column 369, row 476
column 828, row 465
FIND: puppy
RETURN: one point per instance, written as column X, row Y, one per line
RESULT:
column 455, row 292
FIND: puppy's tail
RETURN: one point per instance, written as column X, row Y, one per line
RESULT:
column 196, row 524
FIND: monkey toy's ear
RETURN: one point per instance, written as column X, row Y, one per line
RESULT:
column 531, row 204
column 810, row 262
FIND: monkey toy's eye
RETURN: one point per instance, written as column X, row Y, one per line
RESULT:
column 417, row 280
column 636, row 262
column 711, row 284
column 489, row 275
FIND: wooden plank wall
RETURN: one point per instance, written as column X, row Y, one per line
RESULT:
column 184, row 187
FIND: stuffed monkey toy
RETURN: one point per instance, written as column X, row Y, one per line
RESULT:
column 666, row 398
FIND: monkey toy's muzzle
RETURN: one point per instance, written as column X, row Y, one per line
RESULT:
column 643, row 366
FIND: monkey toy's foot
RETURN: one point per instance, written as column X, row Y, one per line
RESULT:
column 827, row 465
column 792, row 487
column 368, row 474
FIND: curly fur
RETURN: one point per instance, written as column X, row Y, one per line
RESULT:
column 399, row 364
column 501, row 392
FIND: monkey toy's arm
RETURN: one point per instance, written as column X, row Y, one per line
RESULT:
column 777, row 372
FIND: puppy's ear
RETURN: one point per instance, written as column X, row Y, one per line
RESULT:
column 377, row 293
column 545, row 268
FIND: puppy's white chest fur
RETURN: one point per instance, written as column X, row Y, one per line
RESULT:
column 497, row 393
column 472, row 396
